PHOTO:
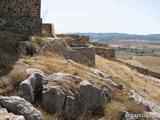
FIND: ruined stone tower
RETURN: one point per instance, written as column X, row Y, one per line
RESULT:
column 21, row 16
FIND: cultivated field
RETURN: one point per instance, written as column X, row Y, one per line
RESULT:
column 140, row 53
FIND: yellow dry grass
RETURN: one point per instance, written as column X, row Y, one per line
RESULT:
column 141, row 83
column 112, row 110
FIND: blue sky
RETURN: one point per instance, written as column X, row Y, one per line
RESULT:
column 123, row 16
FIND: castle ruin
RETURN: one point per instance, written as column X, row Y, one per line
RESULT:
column 21, row 16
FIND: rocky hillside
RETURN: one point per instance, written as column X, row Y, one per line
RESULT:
column 46, row 78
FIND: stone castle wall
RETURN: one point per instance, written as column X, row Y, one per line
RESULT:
column 48, row 30
column 88, row 51
column 105, row 52
column 74, row 39
column 21, row 16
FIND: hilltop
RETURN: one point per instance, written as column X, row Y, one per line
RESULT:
column 108, row 37
column 63, row 79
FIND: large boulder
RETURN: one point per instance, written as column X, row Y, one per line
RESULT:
column 57, row 46
column 91, row 98
column 27, row 48
column 53, row 99
column 31, row 88
column 69, row 109
column 4, row 115
column 19, row 106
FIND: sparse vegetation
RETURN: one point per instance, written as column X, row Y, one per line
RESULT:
column 53, row 63
column 17, row 75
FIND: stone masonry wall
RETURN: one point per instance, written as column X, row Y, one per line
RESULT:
column 74, row 39
column 21, row 16
column 86, row 50
column 105, row 52
column 48, row 30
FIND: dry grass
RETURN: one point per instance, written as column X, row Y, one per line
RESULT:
column 17, row 75
column 152, row 63
column 52, row 63
column 132, row 77
column 112, row 110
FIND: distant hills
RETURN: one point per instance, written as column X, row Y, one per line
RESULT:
column 104, row 37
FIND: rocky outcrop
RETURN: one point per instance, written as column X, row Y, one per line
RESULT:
column 91, row 98
column 151, row 107
column 31, row 89
column 57, row 46
column 19, row 106
column 4, row 115
column 53, row 99
column 62, row 77
column 27, row 48
column 56, row 101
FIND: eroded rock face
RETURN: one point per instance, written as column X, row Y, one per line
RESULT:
column 91, row 97
column 19, row 106
column 26, row 48
column 53, row 99
column 31, row 89
column 57, row 46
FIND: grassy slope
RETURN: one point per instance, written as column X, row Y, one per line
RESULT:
column 51, row 63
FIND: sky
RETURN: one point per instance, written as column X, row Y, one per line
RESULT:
column 105, row 16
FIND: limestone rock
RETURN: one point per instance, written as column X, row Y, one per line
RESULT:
column 31, row 89
column 53, row 99
column 151, row 107
column 69, row 108
column 66, row 77
column 20, row 63
column 19, row 106
column 32, row 71
column 4, row 115
column 26, row 48
column 57, row 46
column 91, row 98
column 99, row 73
